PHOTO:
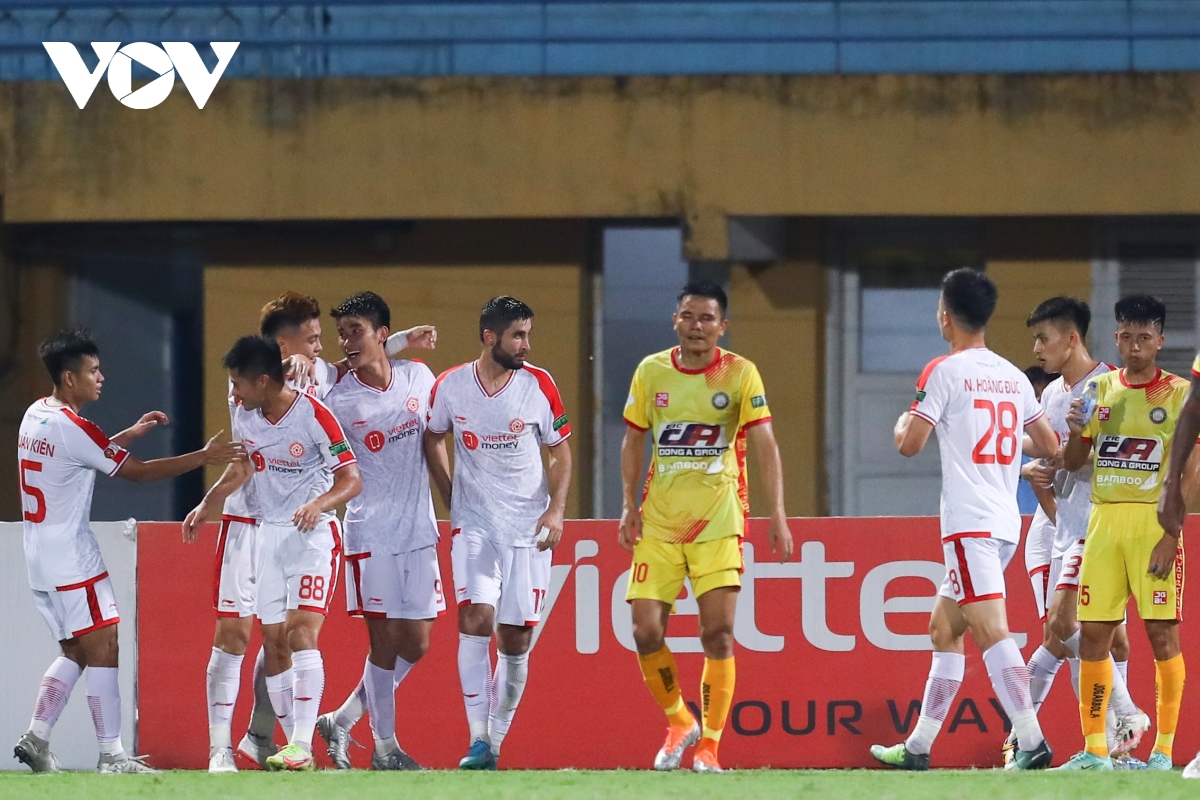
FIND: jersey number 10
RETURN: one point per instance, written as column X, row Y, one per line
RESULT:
column 1000, row 438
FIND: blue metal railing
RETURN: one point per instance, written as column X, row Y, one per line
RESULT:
column 576, row 37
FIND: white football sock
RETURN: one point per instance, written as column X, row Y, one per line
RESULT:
column 52, row 696
column 475, row 675
column 512, row 672
column 1123, row 669
column 224, row 678
column 1120, row 701
column 279, row 688
column 262, row 715
column 1073, row 663
column 1072, row 644
column 306, row 694
column 1010, row 682
column 355, row 706
column 1042, row 667
column 104, row 701
column 945, row 676
column 381, row 704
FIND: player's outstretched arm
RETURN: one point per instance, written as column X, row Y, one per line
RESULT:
column 1040, row 440
column 421, row 337
column 437, row 461
column 148, row 420
column 633, row 446
column 911, row 433
column 212, row 453
column 235, row 475
column 347, row 483
column 761, row 439
column 558, row 476
column 1172, row 505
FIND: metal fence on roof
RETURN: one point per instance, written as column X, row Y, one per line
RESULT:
column 573, row 37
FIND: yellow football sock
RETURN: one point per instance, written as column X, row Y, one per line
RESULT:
column 1168, row 682
column 662, row 678
column 716, row 693
column 1095, row 689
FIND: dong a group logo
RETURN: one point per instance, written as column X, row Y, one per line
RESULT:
column 118, row 61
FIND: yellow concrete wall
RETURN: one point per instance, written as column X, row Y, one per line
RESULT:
column 1031, row 260
column 778, row 322
column 689, row 147
column 42, row 312
column 448, row 296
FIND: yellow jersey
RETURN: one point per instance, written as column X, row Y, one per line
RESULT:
column 1131, row 429
column 696, row 488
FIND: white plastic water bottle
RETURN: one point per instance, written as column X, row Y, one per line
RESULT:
column 1089, row 397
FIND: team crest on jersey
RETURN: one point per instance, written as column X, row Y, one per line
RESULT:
column 1160, row 598
column 296, row 449
column 661, row 399
column 110, row 452
column 517, row 425
column 1158, row 415
column 720, row 400
column 412, row 404
column 1103, row 413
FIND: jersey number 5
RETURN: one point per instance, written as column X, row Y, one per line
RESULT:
column 39, row 500
column 1001, row 434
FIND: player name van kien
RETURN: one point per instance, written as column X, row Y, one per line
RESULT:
column 117, row 61
column 813, row 572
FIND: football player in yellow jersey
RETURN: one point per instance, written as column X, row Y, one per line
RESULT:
column 1127, row 552
column 701, row 405
column 1172, row 505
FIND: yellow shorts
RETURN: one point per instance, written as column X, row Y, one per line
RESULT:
column 659, row 567
column 1116, row 554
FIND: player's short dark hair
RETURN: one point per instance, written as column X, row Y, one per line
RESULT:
column 500, row 313
column 970, row 297
column 252, row 356
column 289, row 310
column 365, row 305
column 1142, row 309
column 706, row 289
column 1039, row 377
column 1065, row 310
column 63, row 351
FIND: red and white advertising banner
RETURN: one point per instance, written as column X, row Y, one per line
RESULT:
column 832, row 654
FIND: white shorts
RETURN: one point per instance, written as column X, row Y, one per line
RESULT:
column 975, row 564
column 80, row 608
column 400, row 586
column 1064, row 570
column 233, row 578
column 513, row 580
column 296, row 570
column 1039, row 542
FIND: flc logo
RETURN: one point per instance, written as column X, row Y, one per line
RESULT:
column 163, row 61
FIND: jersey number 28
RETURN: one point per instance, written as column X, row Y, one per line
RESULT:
column 1000, row 443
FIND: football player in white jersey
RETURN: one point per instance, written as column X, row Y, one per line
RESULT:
column 393, row 579
column 506, row 511
column 293, row 320
column 302, row 468
column 59, row 453
column 1059, row 326
column 980, row 404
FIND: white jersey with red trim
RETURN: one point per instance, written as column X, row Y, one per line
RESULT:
column 294, row 458
column 979, row 404
column 58, row 456
column 500, row 486
column 242, row 502
column 1072, row 490
column 394, row 513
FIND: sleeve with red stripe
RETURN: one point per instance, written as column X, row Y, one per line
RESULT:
column 335, row 449
column 556, row 426
column 89, row 446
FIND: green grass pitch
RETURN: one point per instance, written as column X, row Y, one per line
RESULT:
column 525, row 785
